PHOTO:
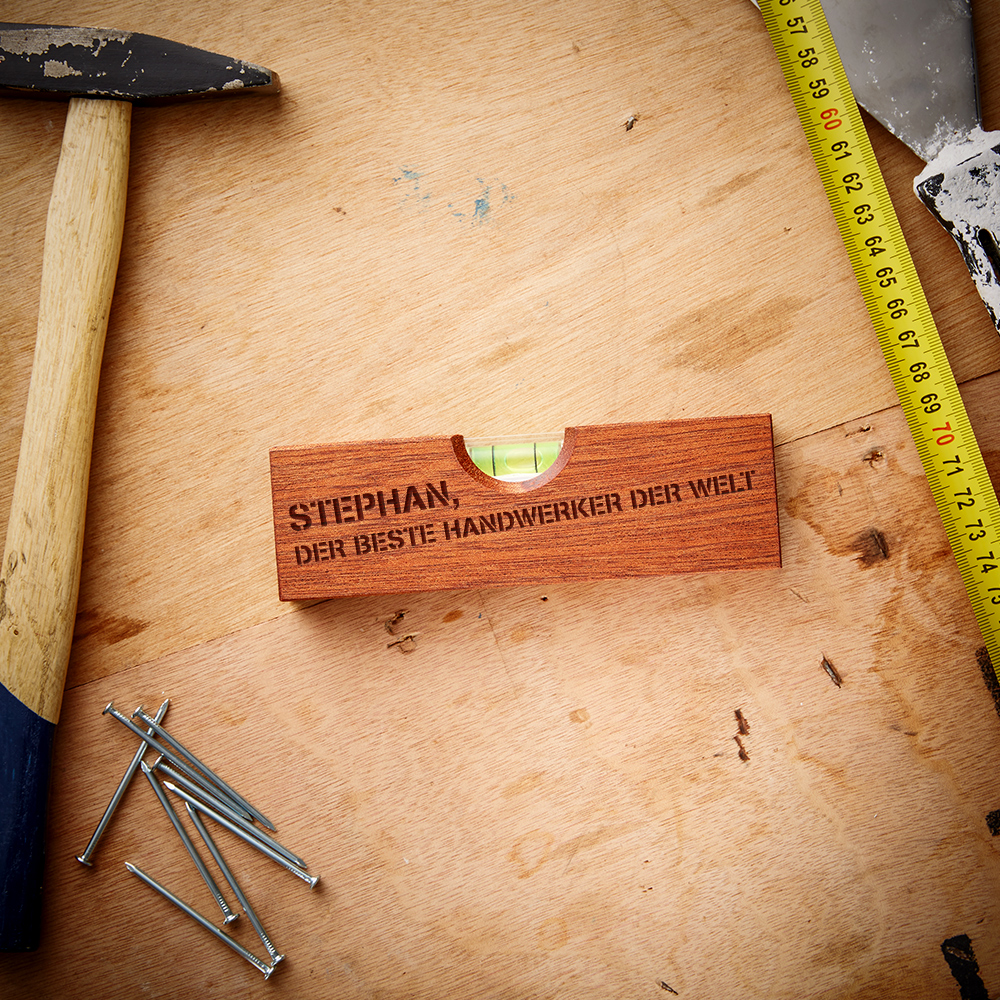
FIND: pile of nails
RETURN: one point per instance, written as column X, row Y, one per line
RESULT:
column 205, row 795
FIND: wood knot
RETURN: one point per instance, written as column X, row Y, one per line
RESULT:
column 871, row 547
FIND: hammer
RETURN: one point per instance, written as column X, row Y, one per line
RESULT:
column 102, row 72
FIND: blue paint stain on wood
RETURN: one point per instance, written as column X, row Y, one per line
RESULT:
column 482, row 207
column 475, row 207
column 409, row 179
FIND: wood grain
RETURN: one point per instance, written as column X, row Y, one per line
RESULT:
column 40, row 574
column 620, row 500
column 543, row 794
column 524, row 800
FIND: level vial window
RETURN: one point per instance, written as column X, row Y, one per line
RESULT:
column 514, row 460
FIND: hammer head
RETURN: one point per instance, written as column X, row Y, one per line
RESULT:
column 61, row 62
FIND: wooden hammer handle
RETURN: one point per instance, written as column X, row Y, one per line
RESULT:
column 40, row 573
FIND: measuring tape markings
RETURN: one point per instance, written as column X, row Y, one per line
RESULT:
column 914, row 353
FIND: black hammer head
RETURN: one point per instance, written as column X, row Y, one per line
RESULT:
column 54, row 61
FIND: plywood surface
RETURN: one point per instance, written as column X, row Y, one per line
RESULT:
column 442, row 226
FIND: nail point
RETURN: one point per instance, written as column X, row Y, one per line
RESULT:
column 119, row 791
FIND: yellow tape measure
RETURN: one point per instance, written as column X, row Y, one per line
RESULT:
column 896, row 303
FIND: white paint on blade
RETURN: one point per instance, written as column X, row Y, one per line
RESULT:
column 38, row 41
column 962, row 191
column 53, row 68
column 958, row 151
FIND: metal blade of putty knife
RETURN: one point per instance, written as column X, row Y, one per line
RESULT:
column 912, row 66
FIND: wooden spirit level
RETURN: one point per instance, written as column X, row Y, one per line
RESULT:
column 619, row 500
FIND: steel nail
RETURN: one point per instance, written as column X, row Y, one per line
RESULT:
column 174, row 758
column 197, row 771
column 223, row 808
column 233, row 884
column 207, row 924
column 186, row 841
column 251, row 840
column 181, row 749
column 88, row 851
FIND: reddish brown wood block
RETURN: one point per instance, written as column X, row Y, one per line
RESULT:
column 621, row 500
